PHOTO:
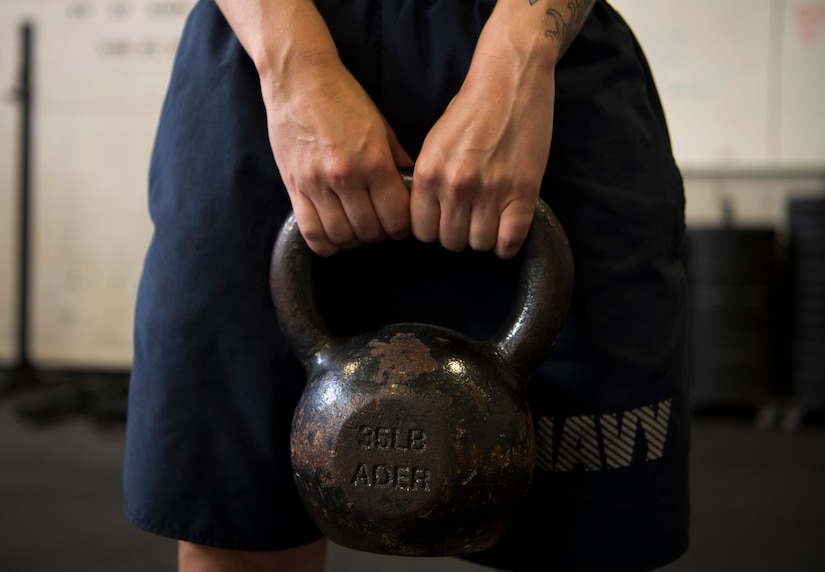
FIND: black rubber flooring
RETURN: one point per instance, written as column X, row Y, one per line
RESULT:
column 758, row 501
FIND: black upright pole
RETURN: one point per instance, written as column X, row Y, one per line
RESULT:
column 25, row 192
column 24, row 375
column 51, row 400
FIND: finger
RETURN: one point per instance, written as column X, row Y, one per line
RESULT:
column 335, row 223
column 359, row 211
column 483, row 229
column 309, row 223
column 454, row 226
column 391, row 202
column 513, row 227
column 391, row 198
column 425, row 214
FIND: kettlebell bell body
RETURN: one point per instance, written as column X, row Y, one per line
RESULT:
column 415, row 443
column 413, row 439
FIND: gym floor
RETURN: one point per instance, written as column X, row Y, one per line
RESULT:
column 758, row 501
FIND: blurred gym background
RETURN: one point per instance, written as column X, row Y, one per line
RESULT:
column 81, row 84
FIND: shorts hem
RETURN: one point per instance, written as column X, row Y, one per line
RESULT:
column 176, row 533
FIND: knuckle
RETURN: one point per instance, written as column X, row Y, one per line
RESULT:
column 461, row 183
column 453, row 241
column 453, row 245
column 424, row 175
column 324, row 250
column 323, row 237
column 374, row 160
column 396, row 228
column 424, row 232
column 339, row 172
column 339, row 235
column 509, row 243
column 425, row 237
column 483, row 244
column 455, row 186
column 370, row 233
column 320, row 246
column 395, row 217
column 314, row 236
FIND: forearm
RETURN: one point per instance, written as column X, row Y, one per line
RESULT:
column 563, row 20
column 537, row 30
column 279, row 36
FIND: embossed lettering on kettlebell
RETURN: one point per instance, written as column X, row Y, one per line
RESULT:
column 392, row 438
column 403, row 477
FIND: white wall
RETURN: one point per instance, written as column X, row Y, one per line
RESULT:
column 100, row 71
column 743, row 86
column 742, row 83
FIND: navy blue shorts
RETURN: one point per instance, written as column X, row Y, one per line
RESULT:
column 214, row 385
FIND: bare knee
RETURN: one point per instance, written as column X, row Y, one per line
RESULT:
column 199, row 558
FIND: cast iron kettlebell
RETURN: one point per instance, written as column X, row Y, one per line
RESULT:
column 414, row 439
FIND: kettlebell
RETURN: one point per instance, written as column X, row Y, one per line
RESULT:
column 414, row 439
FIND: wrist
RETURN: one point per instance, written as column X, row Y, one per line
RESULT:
column 297, row 72
column 512, row 54
column 295, row 46
column 282, row 37
column 538, row 31
column 516, row 30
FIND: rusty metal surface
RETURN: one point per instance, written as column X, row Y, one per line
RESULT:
column 413, row 439
column 411, row 445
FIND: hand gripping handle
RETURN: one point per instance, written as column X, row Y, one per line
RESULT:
column 524, row 341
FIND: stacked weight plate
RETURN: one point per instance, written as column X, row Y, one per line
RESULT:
column 732, row 276
column 806, row 228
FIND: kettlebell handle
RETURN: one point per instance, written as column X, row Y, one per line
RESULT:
column 525, row 340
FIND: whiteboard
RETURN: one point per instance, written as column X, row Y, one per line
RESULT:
column 742, row 81
column 802, row 81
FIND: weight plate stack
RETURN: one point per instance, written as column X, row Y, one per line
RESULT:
column 732, row 275
column 806, row 243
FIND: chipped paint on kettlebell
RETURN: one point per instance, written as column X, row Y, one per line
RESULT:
column 403, row 358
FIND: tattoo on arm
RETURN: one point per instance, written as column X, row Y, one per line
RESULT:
column 563, row 25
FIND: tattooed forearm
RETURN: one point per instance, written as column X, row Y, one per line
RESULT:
column 563, row 23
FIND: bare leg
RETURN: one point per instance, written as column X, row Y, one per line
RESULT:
column 198, row 558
